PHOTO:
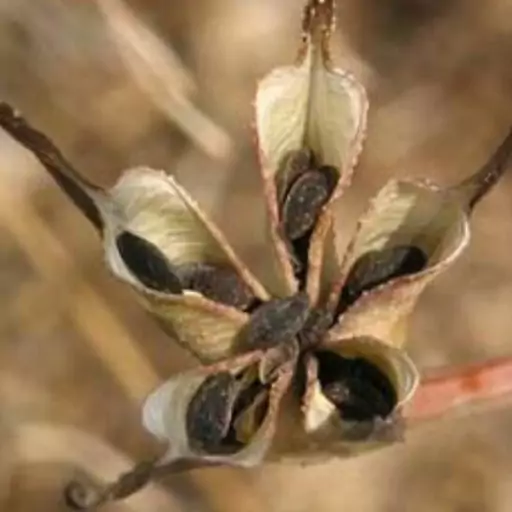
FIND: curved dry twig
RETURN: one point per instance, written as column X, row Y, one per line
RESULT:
column 475, row 187
column 81, row 495
column 68, row 179
column 40, row 442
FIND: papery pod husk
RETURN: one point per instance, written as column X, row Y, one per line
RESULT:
column 154, row 207
column 410, row 213
column 164, row 412
column 206, row 328
column 309, row 105
column 312, row 431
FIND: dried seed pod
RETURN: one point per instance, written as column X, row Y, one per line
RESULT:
column 304, row 201
column 147, row 263
column 216, row 282
column 209, row 412
column 377, row 267
column 276, row 321
column 360, row 390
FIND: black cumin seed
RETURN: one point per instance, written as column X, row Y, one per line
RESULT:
column 209, row 412
column 358, row 388
column 147, row 263
column 377, row 267
column 218, row 283
column 304, row 202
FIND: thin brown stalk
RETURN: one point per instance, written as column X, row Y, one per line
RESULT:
column 68, row 179
column 474, row 188
column 85, row 496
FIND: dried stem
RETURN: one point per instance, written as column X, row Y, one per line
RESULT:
column 475, row 384
column 318, row 24
column 474, row 188
column 86, row 496
column 75, row 187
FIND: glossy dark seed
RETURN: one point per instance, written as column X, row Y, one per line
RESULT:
column 147, row 263
column 360, row 390
column 304, row 202
column 276, row 321
column 209, row 412
column 295, row 164
column 217, row 283
column 377, row 267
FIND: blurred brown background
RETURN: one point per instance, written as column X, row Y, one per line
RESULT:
column 77, row 354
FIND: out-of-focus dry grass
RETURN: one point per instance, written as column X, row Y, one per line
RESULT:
column 75, row 349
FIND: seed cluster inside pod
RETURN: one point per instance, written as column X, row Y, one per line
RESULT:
column 375, row 268
column 154, row 270
column 358, row 388
column 303, row 188
column 226, row 411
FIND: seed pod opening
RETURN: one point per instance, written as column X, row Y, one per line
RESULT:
column 358, row 381
column 154, row 232
column 303, row 109
column 378, row 267
column 358, row 388
column 411, row 232
column 173, row 230
column 222, row 412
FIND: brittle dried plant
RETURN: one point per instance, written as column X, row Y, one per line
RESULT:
column 311, row 365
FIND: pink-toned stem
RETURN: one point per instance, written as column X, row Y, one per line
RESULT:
column 475, row 384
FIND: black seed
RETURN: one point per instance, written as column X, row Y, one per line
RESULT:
column 304, row 202
column 358, row 388
column 377, row 267
column 218, row 283
column 209, row 412
column 147, row 263
column 296, row 163
column 318, row 323
column 303, row 190
column 276, row 321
